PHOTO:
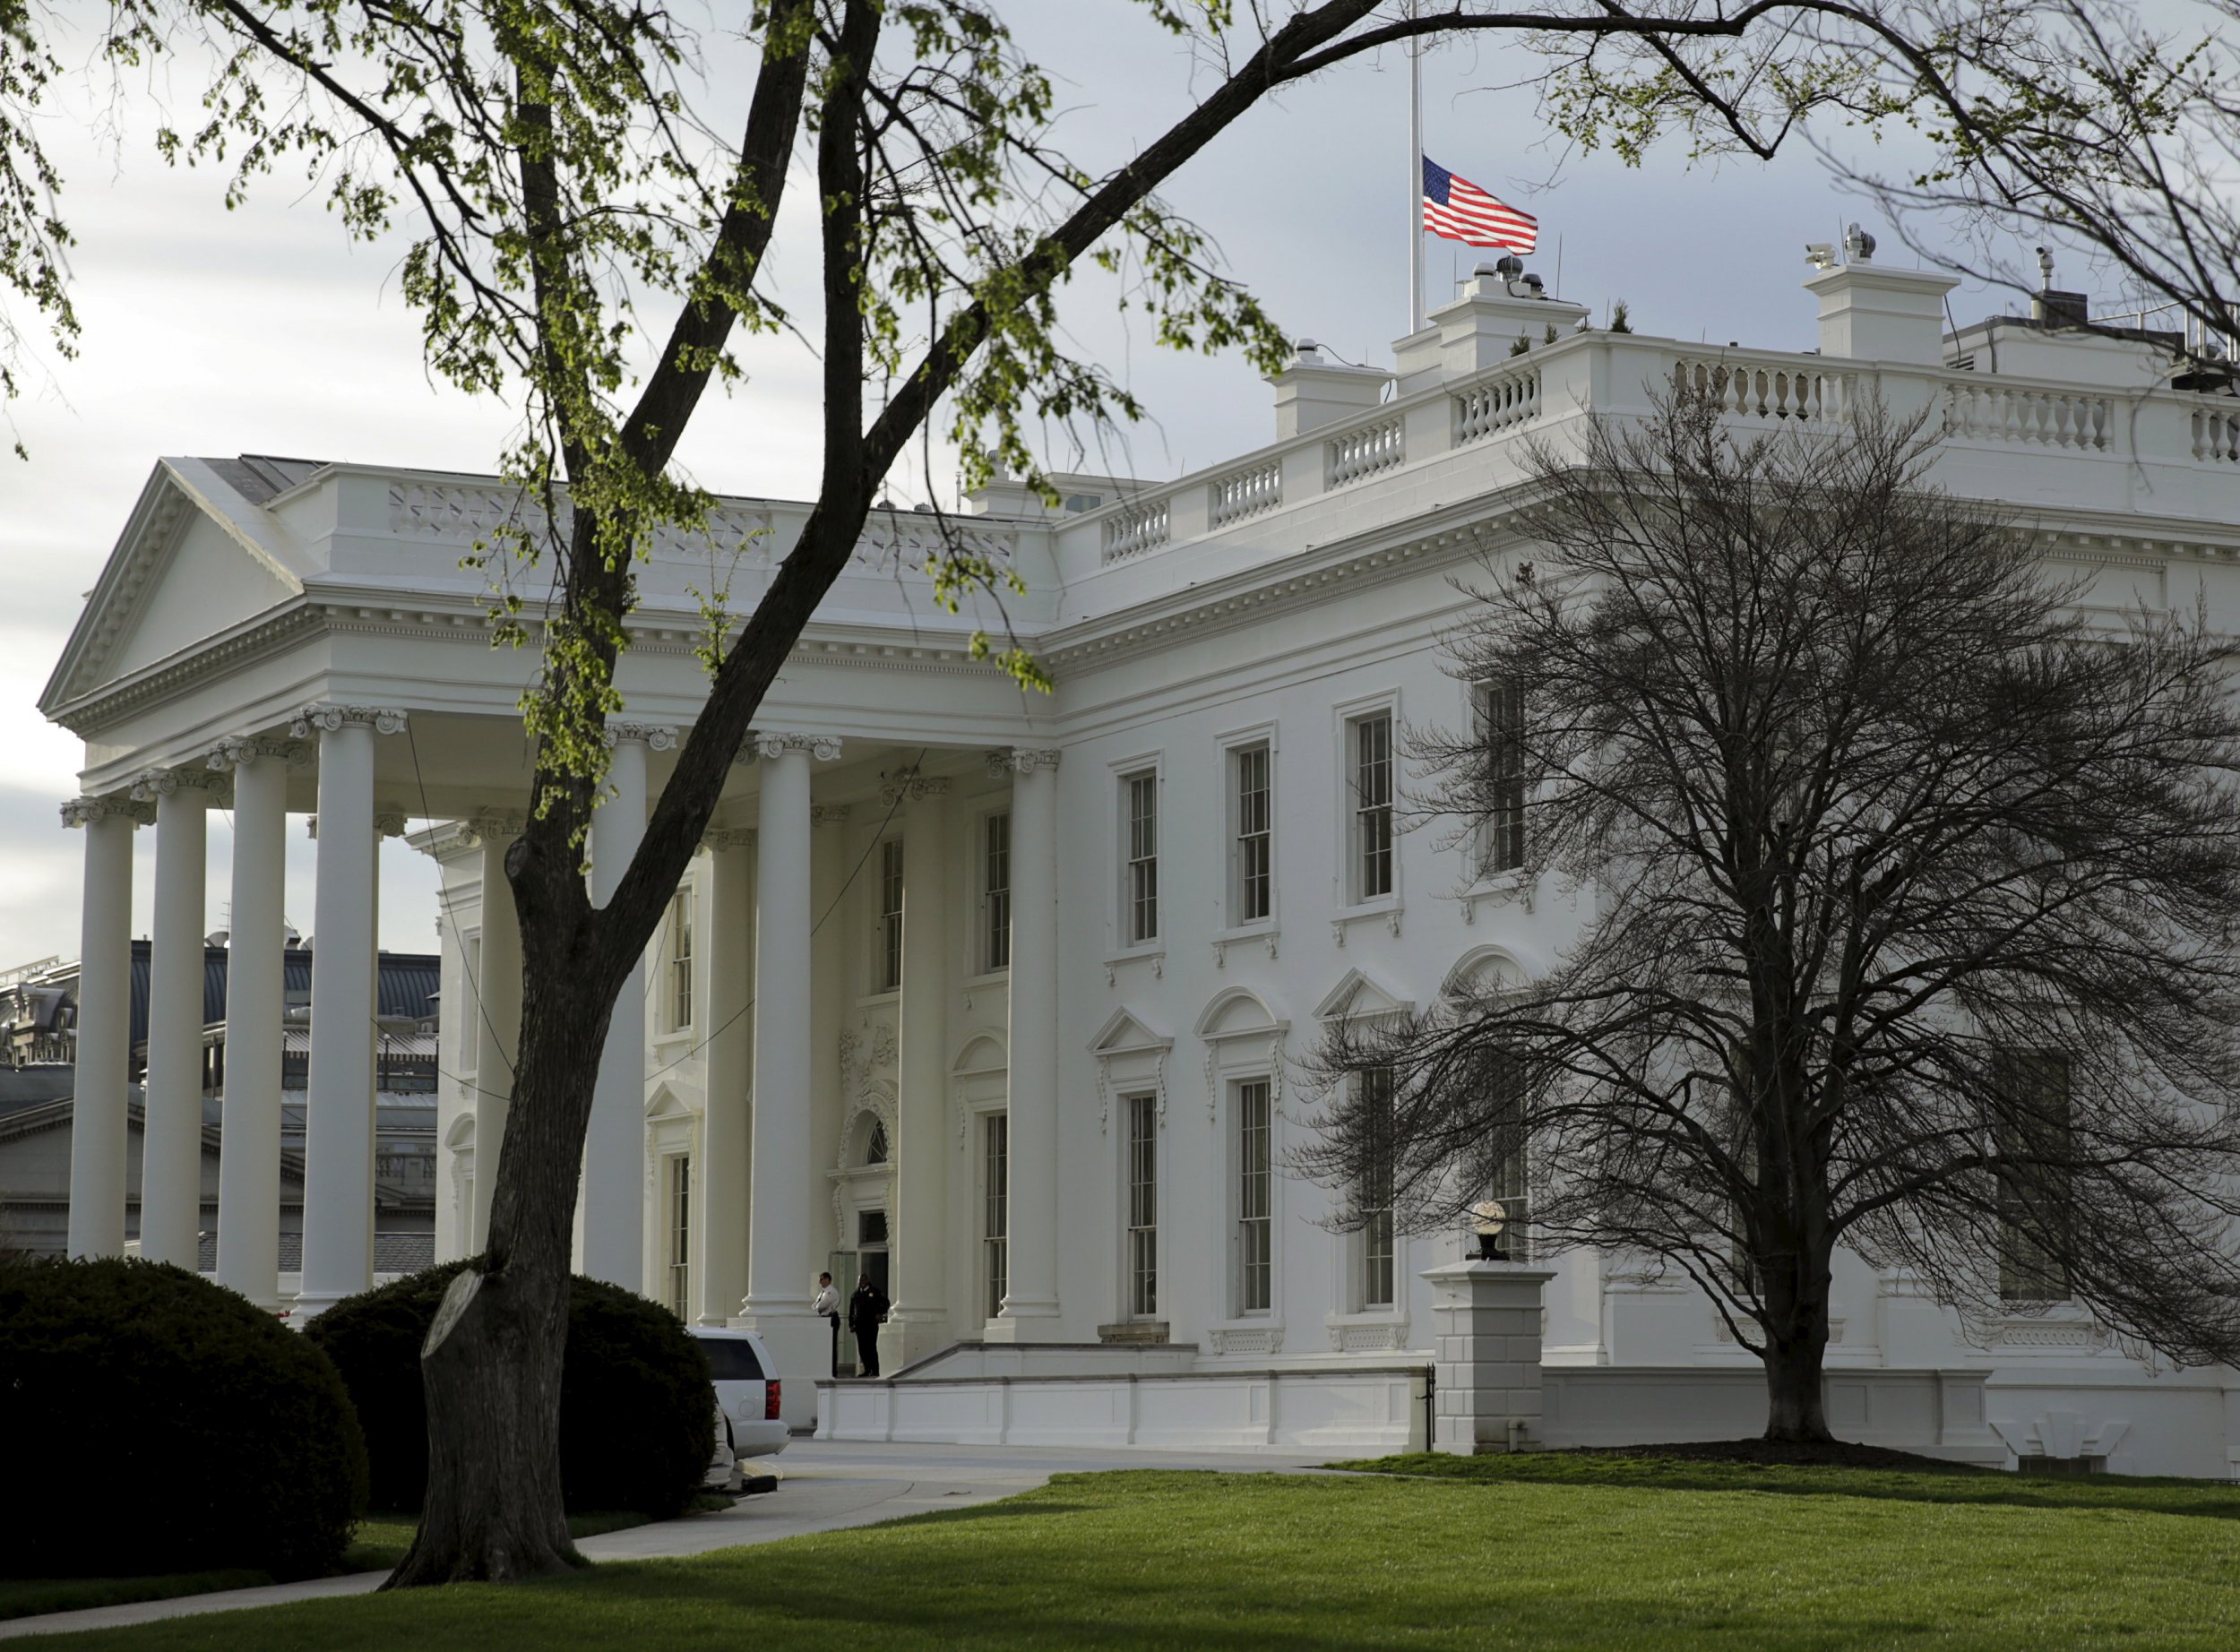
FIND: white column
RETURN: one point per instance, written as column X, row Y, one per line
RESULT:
column 614, row 1146
column 920, row 1324
column 249, row 1152
column 1030, row 1304
column 725, row 1024
column 493, row 998
column 99, row 1130
column 171, row 1140
column 780, row 1272
column 339, row 1099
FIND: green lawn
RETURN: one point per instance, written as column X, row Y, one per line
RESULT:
column 380, row 1543
column 1530, row 1552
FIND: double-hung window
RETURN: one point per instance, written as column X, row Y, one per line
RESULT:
column 1500, row 707
column 2034, row 1138
column 889, row 937
column 1370, row 759
column 1254, row 1195
column 1139, row 892
column 680, row 962
column 1502, row 1168
column 996, row 901
column 995, row 1210
column 1378, row 1251
column 680, row 1236
column 1253, row 851
column 1142, row 1207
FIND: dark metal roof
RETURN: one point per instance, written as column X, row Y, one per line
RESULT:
column 408, row 980
column 260, row 477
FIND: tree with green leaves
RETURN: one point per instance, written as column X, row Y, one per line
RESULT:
column 587, row 234
column 1910, row 905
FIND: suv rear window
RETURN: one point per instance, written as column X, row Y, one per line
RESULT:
column 731, row 1360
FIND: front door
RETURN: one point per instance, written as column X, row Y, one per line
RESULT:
column 870, row 1256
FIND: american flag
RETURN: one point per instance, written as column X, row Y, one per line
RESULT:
column 1458, row 209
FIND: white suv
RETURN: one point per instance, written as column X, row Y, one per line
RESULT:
column 746, row 1388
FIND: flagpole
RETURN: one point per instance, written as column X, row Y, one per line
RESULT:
column 1415, row 179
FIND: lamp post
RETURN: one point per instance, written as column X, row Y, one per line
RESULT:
column 1489, row 1217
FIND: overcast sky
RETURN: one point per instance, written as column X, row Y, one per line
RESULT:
column 261, row 330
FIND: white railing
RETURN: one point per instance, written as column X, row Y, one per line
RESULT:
column 1133, row 530
column 1241, row 494
column 1357, row 453
column 1499, row 404
column 2216, row 436
column 2080, row 422
column 1749, row 390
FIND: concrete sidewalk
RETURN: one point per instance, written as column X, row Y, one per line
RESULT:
column 824, row 1486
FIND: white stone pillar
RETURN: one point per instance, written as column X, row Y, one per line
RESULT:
column 1486, row 1367
column 339, row 1098
column 919, row 1323
column 249, row 1152
column 99, row 1127
column 725, row 1025
column 1030, row 1304
column 780, row 1271
column 171, row 1140
column 494, row 999
column 614, row 1147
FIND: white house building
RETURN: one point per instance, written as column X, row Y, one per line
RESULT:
column 1001, row 993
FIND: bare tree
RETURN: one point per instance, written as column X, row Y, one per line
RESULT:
column 587, row 235
column 1909, row 894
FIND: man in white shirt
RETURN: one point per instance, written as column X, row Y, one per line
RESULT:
column 828, row 1303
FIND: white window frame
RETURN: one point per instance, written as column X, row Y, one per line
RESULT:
column 994, row 1224
column 676, row 1233
column 987, row 929
column 886, row 923
column 1124, row 772
column 679, row 970
column 1493, row 839
column 1374, row 1239
column 1235, row 746
column 1347, row 719
column 1241, row 1215
column 1139, row 1240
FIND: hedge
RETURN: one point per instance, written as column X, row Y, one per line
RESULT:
column 637, row 1414
column 160, row 1423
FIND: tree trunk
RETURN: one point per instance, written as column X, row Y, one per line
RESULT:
column 491, row 1366
column 1795, row 1353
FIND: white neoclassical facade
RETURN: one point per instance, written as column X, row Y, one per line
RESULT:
column 1002, row 995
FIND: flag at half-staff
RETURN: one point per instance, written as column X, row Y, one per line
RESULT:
column 1458, row 209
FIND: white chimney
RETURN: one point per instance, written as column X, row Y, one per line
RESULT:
column 1871, row 311
column 1313, row 390
column 1481, row 329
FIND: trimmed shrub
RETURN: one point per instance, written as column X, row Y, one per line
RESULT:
column 637, row 1415
column 158, row 1423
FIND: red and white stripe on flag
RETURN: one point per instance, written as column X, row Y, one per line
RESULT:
column 1458, row 209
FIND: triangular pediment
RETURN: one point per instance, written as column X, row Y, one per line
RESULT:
column 196, row 561
column 1124, row 1032
column 1357, row 996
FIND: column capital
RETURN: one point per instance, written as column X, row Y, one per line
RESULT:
column 768, row 745
column 722, row 837
column 909, row 786
column 327, row 718
column 653, row 736
column 1020, row 760
column 482, row 828
column 389, row 822
column 828, row 814
column 154, row 783
column 115, row 806
column 242, row 750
